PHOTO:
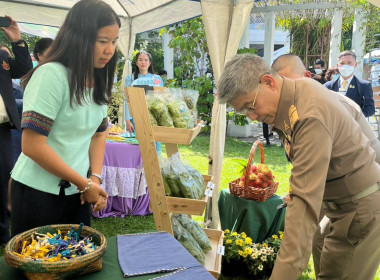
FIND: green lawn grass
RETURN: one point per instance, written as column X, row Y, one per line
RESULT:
column 196, row 155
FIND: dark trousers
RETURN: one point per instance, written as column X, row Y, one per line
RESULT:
column 5, row 169
column 266, row 132
column 32, row 208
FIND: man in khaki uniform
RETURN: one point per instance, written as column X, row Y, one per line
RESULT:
column 292, row 67
column 332, row 163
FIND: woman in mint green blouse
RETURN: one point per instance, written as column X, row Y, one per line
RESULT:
column 64, row 122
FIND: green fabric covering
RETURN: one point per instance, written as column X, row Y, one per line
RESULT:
column 111, row 268
column 259, row 220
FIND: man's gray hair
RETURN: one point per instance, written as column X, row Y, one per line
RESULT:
column 241, row 76
column 347, row 53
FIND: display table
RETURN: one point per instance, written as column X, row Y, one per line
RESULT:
column 111, row 268
column 259, row 220
column 124, row 181
column 179, row 262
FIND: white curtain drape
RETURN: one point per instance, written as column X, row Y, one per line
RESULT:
column 225, row 21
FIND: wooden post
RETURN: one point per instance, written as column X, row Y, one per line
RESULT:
column 144, row 134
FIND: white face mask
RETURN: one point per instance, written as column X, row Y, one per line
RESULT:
column 318, row 71
column 346, row 70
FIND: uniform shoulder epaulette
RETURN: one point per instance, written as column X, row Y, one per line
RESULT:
column 293, row 116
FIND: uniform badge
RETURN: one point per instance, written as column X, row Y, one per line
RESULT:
column 351, row 86
column 293, row 116
column 286, row 127
column 5, row 66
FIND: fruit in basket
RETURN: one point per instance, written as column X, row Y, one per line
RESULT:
column 115, row 129
column 260, row 176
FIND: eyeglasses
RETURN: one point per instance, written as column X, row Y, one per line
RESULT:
column 251, row 108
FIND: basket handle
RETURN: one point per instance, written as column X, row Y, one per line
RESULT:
column 251, row 154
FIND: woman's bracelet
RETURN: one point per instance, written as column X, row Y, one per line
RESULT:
column 89, row 185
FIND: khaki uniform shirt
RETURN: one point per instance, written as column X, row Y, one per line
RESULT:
column 331, row 159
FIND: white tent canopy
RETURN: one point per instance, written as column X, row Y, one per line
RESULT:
column 224, row 20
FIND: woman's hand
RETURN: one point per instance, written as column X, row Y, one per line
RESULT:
column 130, row 127
column 95, row 196
column 100, row 204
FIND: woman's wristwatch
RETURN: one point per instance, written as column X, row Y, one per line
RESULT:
column 97, row 176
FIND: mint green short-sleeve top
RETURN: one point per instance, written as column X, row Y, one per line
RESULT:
column 68, row 129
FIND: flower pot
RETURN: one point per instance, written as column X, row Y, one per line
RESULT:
column 234, row 267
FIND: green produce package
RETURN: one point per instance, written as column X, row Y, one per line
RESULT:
column 158, row 107
column 165, row 170
column 187, row 241
column 195, row 230
column 188, row 185
column 178, row 109
column 191, row 96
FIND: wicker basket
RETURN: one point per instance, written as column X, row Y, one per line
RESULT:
column 249, row 192
column 33, row 270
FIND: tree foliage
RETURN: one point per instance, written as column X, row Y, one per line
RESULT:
column 310, row 37
column 192, row 66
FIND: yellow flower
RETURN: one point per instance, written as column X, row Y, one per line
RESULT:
column 275, row 237
column 240, row 252
column 248, row 251
column 254, row 256
column 280, row 232
column 260, row 267
column 234, row 233
column 281, row 235
column 239, row 242
column 265, row 245
column 228, row 241
column 248, row 241
column 227, row 231
column 244, row 255
column 243, row 235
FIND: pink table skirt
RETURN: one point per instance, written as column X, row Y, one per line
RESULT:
column 124, row 182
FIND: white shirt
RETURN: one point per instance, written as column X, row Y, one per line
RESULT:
column 3, row 111
column 341, row 90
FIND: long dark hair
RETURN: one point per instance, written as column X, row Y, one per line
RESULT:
column 74, row 48
column 137, row 70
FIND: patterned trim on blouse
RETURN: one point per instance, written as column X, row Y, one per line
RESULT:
column 36, row 122
column 103, row 126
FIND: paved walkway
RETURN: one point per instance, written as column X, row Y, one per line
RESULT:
column 257, row 134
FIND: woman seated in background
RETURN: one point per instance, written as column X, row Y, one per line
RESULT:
column 41, row 48
column 143, row 75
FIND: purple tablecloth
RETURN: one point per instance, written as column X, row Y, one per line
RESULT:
column 124, row 181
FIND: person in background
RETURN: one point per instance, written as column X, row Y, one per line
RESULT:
column 315, row 128
column 143, row 75
column 11, row 68
column 320, row 71
column 41, row 48
column 16, row 134
column 57, row 177
column 332, row 74
column 280, row 66
column 349, row 85
column 266, row 134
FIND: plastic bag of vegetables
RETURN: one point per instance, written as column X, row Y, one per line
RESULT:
column 158, row 107
column 187, row 241
column 195, row 230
